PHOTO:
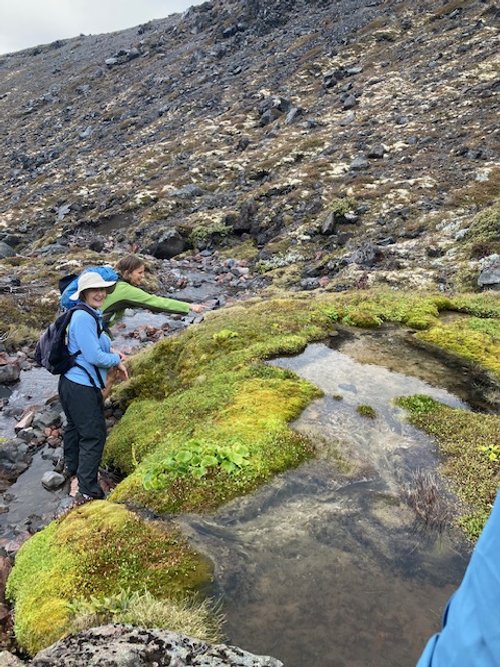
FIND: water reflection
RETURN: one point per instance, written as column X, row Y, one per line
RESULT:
column 330, row 569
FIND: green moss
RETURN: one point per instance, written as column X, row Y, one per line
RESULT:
column 211, row 232
column 339, row 207
column 366, row 411
column 483, row 237
column 97, row 549
column 474, row 339
column 461, row 436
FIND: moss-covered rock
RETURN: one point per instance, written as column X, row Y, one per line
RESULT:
column 97, row 549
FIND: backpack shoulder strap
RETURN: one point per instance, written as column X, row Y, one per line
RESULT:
column 83, row 306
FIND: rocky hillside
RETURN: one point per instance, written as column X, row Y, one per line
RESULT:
column 330, row 144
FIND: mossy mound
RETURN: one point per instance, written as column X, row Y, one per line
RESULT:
column 472, row 338
column 95, row 550
column 470, row 445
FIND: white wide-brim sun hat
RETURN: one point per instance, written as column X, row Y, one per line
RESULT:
column 90, row 280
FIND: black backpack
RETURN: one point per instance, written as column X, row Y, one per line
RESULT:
column 52, row 352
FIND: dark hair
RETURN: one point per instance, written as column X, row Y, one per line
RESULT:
column 128, row 264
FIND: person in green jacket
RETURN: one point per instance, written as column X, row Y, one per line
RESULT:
column 128, row 294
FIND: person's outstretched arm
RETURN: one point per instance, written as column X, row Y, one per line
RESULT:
column 127, row 296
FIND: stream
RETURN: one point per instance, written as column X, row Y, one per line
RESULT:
column 331, row 569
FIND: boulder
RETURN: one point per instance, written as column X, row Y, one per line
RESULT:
column 490, row 273
column 124, row 645
column 6, row 250
column 168, row 246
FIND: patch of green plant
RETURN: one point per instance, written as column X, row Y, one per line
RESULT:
column 195, row 458
column 366, row 411
column 221, row 337
column 473, row 474
column 492, row 452
column 419, row 404
column 483, row 237
column 339, row 207
column 202, row 234
column 470, row 338
column 95, row 550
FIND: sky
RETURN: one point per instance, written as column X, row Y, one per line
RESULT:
column 27, row 23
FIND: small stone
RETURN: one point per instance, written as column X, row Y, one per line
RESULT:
column 52, row 480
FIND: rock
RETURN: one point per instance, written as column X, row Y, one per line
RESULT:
column 124, row 646
column 9, row 372
column 97, row 244
column 359, row 163
column 490, row 272
column 293, row 115
column 169, row 245
column 377, row 151
column 188, row 192
column 52, row 480
column 348, row 118
column 367, row 255
column 9, row 660
column 25, row 421
column 46, row 418
column 349, row 102
column 6, row 250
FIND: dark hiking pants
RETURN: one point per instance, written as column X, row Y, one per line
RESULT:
column 84, row 434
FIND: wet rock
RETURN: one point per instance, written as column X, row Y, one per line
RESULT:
column 9, row 370
column 52, row 480
column 25, row 421
column 27, row 434
column 122, row 646
column 12, row 546
column 46, row 418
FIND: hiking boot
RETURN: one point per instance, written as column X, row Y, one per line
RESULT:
column 81, row 499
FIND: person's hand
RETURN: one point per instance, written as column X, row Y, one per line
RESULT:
column 197, row 307
column 122, row 370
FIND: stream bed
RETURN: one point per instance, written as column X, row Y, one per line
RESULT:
column 330, row 568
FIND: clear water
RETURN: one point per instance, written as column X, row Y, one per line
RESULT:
column 327, row 569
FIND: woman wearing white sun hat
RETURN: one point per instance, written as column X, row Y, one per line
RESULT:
column 80, row 387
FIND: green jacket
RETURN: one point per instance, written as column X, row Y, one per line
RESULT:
column 126, row 295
